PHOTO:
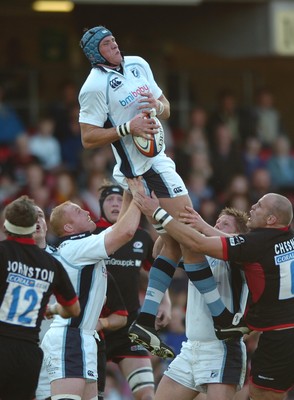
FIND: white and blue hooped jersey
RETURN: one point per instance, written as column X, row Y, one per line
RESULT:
column 83, row 258
column 109, row 96
column 199, row 323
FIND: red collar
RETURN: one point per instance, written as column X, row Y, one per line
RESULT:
column 21, row 240
column 103, row 223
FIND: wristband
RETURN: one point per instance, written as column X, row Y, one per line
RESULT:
column 162, row 216
column 159, row 229
column 123, row 129
column 161, row 108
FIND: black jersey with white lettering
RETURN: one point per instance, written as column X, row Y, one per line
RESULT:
column 124, row 265
column 28, row 277
column 267, row 256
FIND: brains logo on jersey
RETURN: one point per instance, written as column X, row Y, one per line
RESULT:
column 151, row 147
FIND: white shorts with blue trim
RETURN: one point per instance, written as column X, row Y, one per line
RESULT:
column 70, row 353
column 162, row 178
column 201, row 363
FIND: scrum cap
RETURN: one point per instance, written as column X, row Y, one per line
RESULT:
column 90, row 44
column 107, row 191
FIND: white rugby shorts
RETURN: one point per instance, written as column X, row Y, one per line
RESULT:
column 201, row 363
column 70, row 353
column 43, row 389
column 162, row 178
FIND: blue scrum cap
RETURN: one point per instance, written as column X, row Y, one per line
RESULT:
column 90, row 44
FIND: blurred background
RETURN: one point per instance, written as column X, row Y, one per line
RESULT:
column 195, row 47
column 226, row 68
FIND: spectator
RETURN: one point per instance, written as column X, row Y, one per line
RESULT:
column 66, row 188
column 237, row 189
column 44, row 145
column 71, row 145
column 260, row 184
column 267, row 119
column 281, row 165
column 251, row 155
column 10, row 124
column 60, row 110
column 198, row 188
column 229, row 113
column 225, row 159
column 89, row 194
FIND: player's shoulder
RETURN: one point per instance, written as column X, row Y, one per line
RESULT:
column 131, row 60
column 94, row 81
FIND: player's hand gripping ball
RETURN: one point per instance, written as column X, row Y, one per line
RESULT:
column 149, row 147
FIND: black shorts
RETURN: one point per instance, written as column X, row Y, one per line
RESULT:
column 119, row 346
column 272, row 365
column 20, row 364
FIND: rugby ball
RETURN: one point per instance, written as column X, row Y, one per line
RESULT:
column 148, row 147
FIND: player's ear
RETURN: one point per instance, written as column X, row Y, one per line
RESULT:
column 67, row 228
column 271, row 219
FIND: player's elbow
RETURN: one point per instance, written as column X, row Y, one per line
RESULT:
column 122, row 321
column 86, row 143
column 130, row 234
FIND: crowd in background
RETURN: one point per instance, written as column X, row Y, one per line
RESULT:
column 230, row 156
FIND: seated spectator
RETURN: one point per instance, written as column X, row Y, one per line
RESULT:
column 90, row 192
column 238, row 189
column 240, row 202
column 44, row 145
column 225, row 159
column 281, row 165
column 252, row 157
column 11, row 125
column 194, row 141
column 66, row 188
column 20, row 158
column 228, row 112
column 71, row 144
column 267, row 118
column 198, row 188
column 261, row 184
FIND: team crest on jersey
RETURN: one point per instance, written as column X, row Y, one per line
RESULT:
column 236, row 240
column 135, row 72
column 115, row 83
column 138, row 247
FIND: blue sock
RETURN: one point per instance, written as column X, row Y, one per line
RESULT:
column 160, row 276
column 202, row 278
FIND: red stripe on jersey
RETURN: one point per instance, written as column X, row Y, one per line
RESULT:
column 225, row 248
column 21, row 240
column 64, row 302
column 255, row 279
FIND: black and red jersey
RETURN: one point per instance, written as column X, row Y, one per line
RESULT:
column 28, row 277
column 124, row 265
column 267, row 256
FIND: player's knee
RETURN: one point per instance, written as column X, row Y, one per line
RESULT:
column 66, row 396
column 141, row 378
